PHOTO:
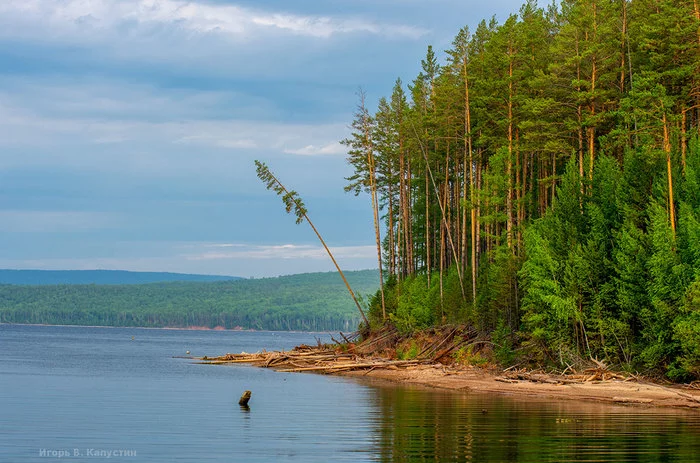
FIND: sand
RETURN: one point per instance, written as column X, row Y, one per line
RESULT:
column 629, row 392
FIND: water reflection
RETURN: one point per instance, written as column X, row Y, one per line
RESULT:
column 65, row 387
column 417, row 424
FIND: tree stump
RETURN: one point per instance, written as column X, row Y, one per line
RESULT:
column 244, row 399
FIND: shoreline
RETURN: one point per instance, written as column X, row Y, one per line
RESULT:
column 609, row 388
column 172, row 328
column 551, row 387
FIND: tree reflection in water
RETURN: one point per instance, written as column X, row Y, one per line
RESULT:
column 419, row 424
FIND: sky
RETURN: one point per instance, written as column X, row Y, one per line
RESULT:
column 128, row 128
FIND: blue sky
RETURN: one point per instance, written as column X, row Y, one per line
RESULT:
column 128, row 128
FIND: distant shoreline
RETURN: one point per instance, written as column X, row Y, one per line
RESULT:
column 189, row 328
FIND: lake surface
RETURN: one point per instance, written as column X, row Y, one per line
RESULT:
column 117, row 394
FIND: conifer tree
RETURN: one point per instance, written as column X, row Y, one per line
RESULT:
column 361, row 156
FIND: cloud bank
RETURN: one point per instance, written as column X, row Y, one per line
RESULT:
column 78, row 19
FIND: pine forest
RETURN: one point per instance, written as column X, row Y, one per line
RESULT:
column 540, row 180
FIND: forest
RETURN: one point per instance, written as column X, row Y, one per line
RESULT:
column 540, row 180
column 306, row 302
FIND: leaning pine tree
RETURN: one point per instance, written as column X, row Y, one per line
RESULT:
column 292, row 201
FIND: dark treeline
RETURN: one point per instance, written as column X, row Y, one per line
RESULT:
column 307, row 302
column 542, row 183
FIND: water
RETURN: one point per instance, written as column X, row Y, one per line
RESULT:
column 86, row 394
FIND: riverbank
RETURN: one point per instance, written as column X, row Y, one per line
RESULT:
column 596, row 385
column 541, row 386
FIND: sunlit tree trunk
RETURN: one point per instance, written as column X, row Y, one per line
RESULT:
column 592, row 109
column 669, row 171
column 509, row 161
column 472, row 186
column 375, row 210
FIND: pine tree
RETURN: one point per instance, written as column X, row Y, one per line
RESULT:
column 553, row 156
column 361, row 155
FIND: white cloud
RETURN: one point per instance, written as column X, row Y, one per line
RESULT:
column 312, row 150
column 50, row 115
column 75, row 19
column 286, row 251
column 33, row 135
column 221, row 140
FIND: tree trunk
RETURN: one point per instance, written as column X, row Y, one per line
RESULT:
column 443, row 225
column 472, row 205
column 375, row 208
column 594, row 76
column 696, row 7
column 623, row 41
column 477, row 225
column 554, row 178
column 684, row 140
column 579, row 116
column 427, row 221
column 391, row 230
column 403, row 205
column 409, row 218
column 669, row 171
column 518, row 193
column 509, row 161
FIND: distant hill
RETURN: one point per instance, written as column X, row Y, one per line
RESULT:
column 99, row 277
column 305, row 302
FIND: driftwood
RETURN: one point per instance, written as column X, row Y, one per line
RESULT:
column 305, row 358
column 386, row 337
column 353, row 356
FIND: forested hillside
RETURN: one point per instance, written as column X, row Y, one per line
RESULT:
column 541, row 180
column 315, row 301
column 98, row 277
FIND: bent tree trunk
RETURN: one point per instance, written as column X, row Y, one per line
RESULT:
column 292, row 201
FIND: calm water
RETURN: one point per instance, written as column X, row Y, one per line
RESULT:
column 98, row 390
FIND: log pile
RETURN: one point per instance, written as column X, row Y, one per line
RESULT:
column 598, row 372
column 377, row 351
column 313, row 359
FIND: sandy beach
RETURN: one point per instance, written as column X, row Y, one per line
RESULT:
column 625, row 392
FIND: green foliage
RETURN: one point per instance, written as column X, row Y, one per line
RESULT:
column 686, row 332
column 503, row 344
column 497, row 298
column 454, row 308
column 409, row 352
column 414, row 311
column 310, row 302
column 375, row 315
column 554, row 159
column 291, row 199
column 467, row 355
column 547, row 308
column 668, row 280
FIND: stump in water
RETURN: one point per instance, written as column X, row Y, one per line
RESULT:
column 244, row 399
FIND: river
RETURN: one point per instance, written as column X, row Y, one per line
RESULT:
column 121, row 394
